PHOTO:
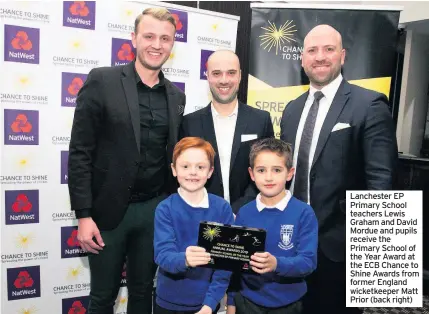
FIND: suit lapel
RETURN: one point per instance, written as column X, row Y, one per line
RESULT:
column 240, row 128
column 291, row 125
column 337, row 106
column 173, row 112
column 210, row 135
column 130, row 88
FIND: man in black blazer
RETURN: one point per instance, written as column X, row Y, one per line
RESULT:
column 231, row 127
column 125, row 127
column 344, row 139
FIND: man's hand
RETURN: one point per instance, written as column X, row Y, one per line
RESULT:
column 205, row 310
column 263, row 262
column 87, row 230
column 196, row 256
column 230, row 309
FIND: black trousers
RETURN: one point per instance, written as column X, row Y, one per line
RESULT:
column 160, row 310
column 245, row 306
column 132, row 241
column 327, row 288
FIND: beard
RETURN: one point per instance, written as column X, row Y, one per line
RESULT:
column 221, row 100
column 325, row 80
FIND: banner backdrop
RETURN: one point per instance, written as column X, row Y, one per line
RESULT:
column 49, row 48
column 277, row 35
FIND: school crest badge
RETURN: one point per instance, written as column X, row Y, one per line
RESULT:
column 286, row 233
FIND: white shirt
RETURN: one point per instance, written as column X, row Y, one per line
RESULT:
column 280, row 205
column 224, row 129
column 203, row 204
column 329, row 92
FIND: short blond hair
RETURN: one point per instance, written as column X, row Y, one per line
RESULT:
column 160, row 14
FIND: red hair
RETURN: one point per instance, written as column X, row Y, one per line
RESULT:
column 193, row 142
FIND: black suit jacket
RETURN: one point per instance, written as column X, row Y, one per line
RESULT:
column 360, row 157
column 104, row 149
column 249, row 121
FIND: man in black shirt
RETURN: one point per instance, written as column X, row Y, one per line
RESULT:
column 124, row 131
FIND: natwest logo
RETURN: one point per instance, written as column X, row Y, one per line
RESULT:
column 77, row 305
column 71, row 83
column 21, row 127
column 181, row 19
column 70, row 246
column 205, row 54
column 22, row 206
column 21, row 44
column 23, row 282
column 123, row 51
column 79, row 14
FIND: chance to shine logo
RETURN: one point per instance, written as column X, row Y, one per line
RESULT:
column 22, row 207
column 21, row 127
column 21, row 44
column 23, row 283
column 79, row 14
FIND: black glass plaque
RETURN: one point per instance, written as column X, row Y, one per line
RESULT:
column 230, row 246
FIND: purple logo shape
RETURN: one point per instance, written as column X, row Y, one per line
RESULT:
column 64, row 167
column 22, row 207
column 21, row 127
column 21, row 44
column 78, row 305
column 79, row 14
column 71, row 83
column 123, row 51
column 181, row 19
column 180, row 85
column 70, row 246
column 205, row 54
column 23, row 283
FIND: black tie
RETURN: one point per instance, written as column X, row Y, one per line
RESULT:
column 300, row 189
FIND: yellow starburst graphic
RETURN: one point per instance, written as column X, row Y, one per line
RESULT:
column 122, row 302
column 215, row 26
column 211, row 233
column 74, row 273
column 30, row 310
column 274, row 37
column 23, row 80
column 22, row 162
column 23, row 241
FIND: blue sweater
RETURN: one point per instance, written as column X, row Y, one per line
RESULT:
column 181, row 288
column 292, row 239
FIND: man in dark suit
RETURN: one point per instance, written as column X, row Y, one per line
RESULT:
column 344, row 139
column 231, row 127
column 125, row 127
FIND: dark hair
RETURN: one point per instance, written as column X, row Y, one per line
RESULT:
column 282, row 149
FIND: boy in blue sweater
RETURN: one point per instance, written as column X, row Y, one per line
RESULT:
column 182, row 286
column 291, row 243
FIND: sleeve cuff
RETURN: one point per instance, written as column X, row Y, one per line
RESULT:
column 83, row 213
column 230, row 299
column 181, row 263
column 283, row 266
column 210, row 302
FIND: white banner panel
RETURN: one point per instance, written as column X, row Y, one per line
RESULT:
column 49, row 48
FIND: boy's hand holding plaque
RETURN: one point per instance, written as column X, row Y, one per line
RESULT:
column 230, row 246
